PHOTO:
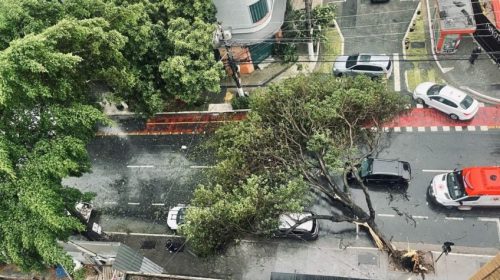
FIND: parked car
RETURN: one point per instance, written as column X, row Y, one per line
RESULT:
column 467, row 188
column 447, row 99
column 175, row 216
column 375, row 171
column 372, row 65
column 306, row 231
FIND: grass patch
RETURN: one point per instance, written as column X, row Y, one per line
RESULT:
column 330, row 48
column 423, row 71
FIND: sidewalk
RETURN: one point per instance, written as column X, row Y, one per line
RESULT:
column 258, row 259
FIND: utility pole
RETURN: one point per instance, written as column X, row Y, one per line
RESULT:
column 310, row 46
column 225, row 36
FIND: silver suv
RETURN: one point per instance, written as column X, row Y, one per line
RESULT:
column 372, row 65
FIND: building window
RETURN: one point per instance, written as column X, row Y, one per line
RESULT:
column 259, row 10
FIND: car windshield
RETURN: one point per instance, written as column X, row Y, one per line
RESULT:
column 351, row 61
column 455, row 185
column 181, row 215
column 434, row 90
column 467, row 102
column 366, row 167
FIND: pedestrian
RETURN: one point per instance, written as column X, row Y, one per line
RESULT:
column 475, row 54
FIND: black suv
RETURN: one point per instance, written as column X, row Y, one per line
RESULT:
column 375, row 171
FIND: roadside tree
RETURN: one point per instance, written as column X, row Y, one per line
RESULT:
column 307, row 130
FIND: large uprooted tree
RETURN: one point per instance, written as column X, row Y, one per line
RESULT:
column 300, row 133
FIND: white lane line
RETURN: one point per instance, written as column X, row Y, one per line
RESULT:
column 483, row 128
column 110, row 202
column 200, row 166
column 471, row 128
column 446, row 128
column 386, row 215
column 140, row 234
column 458, row 128
column 496, row 220
column 133, row 203
column 421, row 129
column 420, row 106
column 140, row 166
column 434, row 128
column 421, row 217
column 158, row 204
column 397, row 129
column 409, row 129
column 387, row 129
column 397, row 78
column 454, row 218
column 436, row 170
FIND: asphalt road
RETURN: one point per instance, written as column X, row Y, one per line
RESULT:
column 407, row 215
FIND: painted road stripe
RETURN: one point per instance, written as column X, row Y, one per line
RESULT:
column 421, row 217
column 436, row 170
column 483, row 128
column 458, row 128
column 200, row 166
column 409, row 129
column 446, row 128
column 471, row 128
column 397, row 78
column 420, row 106
column 421, row 129
column 454, row 218
column 434, row 128
column 133, row 203
column 386, row 215
column 386, row 129
column 397, row 129
column 110, row 202
column 497, row 220
column 158, row 204
column 140, row 166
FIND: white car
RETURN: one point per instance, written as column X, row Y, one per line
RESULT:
column 447, row 99
column 175, row 216
column 372, row 65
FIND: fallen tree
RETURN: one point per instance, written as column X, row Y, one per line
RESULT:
column 307, row 130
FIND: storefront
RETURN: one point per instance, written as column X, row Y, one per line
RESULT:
column 452, row 19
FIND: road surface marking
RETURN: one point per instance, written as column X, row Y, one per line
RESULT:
column 497, row 220
column 420, row 106
column 200, row 166
column 436, row 170
column 420, row 217
column 140, row 166
column 110, row 202
column 421, row 129
column 397, row 129
column 484, row 128
column 386, row 129
column 158, row 204
column 133, row 203
column 458, row 128
column 446, row 128
column 471, row 128
column 409, row 129
column 141, row 234
column 434, row 128
column 397, row 78
column 454, row 218
column 386, row 215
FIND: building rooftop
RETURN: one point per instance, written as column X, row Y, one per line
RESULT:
column 456, row 15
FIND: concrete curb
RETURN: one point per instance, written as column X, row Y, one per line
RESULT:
column 408, row 29
column 485, row 97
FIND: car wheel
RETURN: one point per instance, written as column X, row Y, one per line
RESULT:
column 454, row 117
column 420, row 101
column 339, row 75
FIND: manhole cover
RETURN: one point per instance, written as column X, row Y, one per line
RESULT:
column 148, row 244
column 367, row 258
column 417, row 44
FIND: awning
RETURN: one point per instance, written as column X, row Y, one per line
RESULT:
column 274, row 25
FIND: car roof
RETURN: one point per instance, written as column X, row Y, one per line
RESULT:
column 373, row 59
column 452, row 94
column 288, row 220
column 483, row 180
column 386, row 166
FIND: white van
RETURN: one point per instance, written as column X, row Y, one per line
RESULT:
column 467, row 188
